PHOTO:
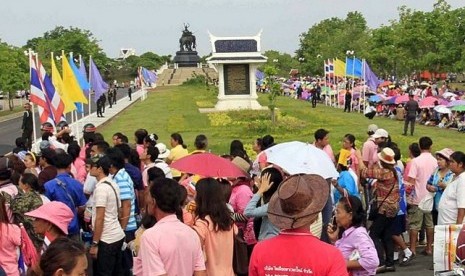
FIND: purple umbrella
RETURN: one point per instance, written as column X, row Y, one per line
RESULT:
column 455, row 103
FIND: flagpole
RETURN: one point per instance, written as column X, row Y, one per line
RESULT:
column 334, row 78
column 34, row 132
column 364, row 84
column 91, row 88
column 324, row 71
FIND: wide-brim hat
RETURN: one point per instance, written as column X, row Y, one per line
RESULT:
column 55, row 212
column 164, row 151
column 298, row 201
column 242, row 164
column 387, row 156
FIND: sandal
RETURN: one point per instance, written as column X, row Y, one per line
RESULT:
column 426, row 253
column 406, row 260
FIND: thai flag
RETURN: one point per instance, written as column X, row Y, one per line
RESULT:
column 330, row 67
column 57, row 105
column 38, row 97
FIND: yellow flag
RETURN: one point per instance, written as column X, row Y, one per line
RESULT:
column 58, row 83
column 70, row 84
column 339, row 68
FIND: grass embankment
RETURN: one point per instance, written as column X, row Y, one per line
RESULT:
column 175, row 109
column 6, row 111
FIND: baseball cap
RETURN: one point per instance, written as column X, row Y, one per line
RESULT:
column 380, row 133
column 372, row 128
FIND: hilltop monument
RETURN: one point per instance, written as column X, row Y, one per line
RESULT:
column 236, row 60
column 187, row 55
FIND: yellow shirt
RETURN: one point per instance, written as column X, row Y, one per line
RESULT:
column 177, row 153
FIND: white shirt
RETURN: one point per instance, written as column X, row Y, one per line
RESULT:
column 104, row 196
column 164, row 167
column 452, row 199
column 89, row 187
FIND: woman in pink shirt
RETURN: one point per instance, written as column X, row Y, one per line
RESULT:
column 215, row 227
column 414, row 151
column 354, row 243
column 10, row 240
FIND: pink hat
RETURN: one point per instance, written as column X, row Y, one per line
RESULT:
column 55, row 212
column 445, row 152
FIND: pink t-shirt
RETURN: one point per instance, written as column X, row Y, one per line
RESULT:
column 422, row 167
column 10, row 239
column 329, row 151
column 145, row 176
column 169, row 247
column 218, row 246
column 370, row 152
column 240, row 197
column 81, row 172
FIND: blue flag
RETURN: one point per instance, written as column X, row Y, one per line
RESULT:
column 354, row 67
column 83, row 83
column 149, row 76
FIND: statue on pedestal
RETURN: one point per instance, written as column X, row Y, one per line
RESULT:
column 187, row 40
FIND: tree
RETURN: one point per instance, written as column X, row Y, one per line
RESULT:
column 72, row 39
column 270, row 75
column 331, row 38
column 282, row 62
column 13, row 71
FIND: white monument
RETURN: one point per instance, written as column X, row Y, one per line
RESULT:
column 236, row 60
column 124, row 53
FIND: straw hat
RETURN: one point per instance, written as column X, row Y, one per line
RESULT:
column 242, row 164
column 298, row 201
column 387, row 156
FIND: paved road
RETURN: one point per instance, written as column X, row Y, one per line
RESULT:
column 11, row 129
column 420, row 266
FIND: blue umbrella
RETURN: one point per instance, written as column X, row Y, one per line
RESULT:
column 375, row 99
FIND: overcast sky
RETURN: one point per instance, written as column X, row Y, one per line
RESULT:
column 155, row 25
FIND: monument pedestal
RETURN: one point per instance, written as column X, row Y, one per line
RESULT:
column 236, row 60
column 186, row 59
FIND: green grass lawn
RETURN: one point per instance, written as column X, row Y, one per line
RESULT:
column 175, row 109
column 7, row 111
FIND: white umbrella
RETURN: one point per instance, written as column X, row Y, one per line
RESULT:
column 448, row 95
column 442, row 109
column 298, row 157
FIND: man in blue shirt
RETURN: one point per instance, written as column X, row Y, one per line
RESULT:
column 68, row 190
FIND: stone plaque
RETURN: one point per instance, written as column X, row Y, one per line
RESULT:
column 235, row 46
column 236, row 79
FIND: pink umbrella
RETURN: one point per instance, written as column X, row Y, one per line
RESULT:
column 443, row 102
column 428, row 102
column 28, row 249
column 207, row 165
column 404, row 98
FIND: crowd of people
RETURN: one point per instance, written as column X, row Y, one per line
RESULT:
column 116, row 207
column 356, row 96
